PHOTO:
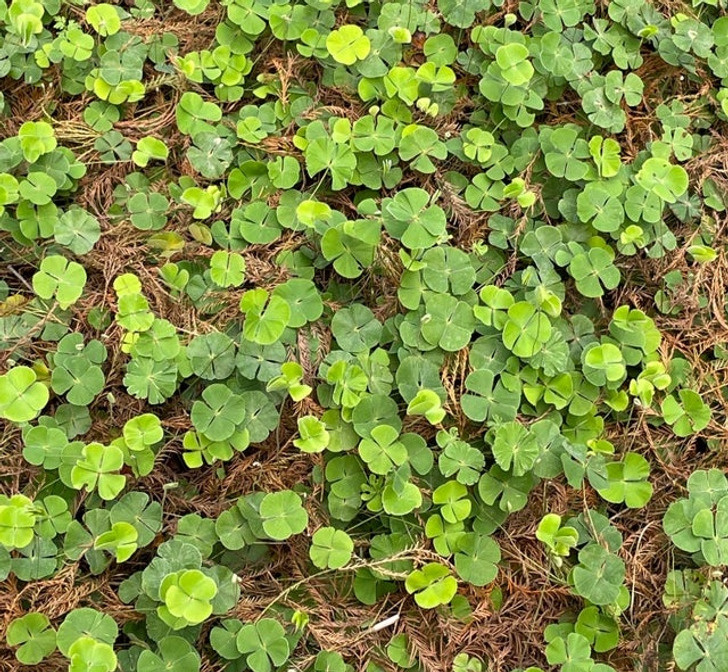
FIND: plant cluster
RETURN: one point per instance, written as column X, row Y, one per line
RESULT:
column 387, row 254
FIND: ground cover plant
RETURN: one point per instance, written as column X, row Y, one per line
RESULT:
column 353, row 335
